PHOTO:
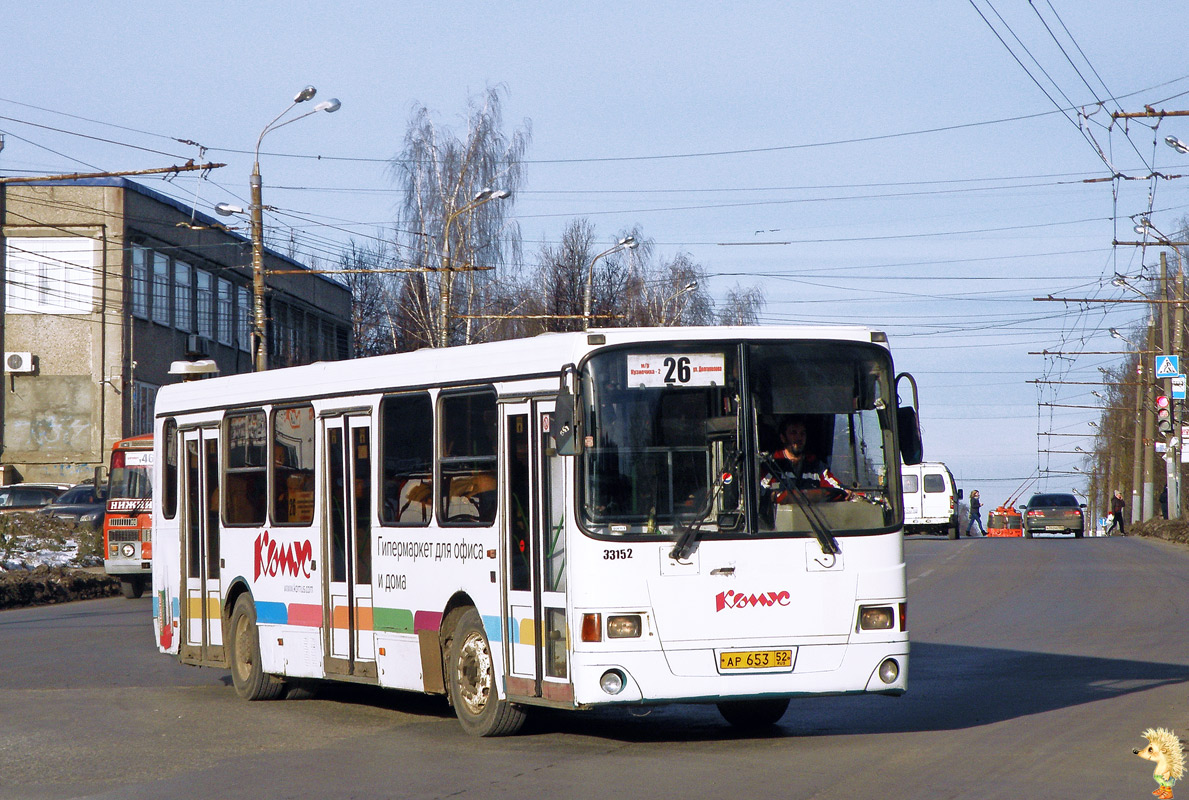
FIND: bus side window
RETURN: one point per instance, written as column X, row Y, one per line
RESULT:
column 169, row 470
column 292, row 465
column 468, row 488
column 406, row 435
column 245, row 483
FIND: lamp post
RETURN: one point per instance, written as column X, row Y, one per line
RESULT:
column 256, row 213
column 1141, row 469
column 689, row 287
column 626, row 243
column 447, row 280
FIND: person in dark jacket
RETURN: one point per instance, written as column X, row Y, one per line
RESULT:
column 976, row 514
column 1117, row 505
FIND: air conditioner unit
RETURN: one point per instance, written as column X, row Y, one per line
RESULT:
column 199, row 346
column 18, row 362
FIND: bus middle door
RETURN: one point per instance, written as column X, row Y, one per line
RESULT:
column 203, row 621
column 535, row 630
column 347, row 478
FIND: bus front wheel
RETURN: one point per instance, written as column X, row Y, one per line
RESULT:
column 753, row 714
column 471, row 676
column 132, row 588
column 250, row 679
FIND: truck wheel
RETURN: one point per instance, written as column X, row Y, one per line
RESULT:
column 470, row 677
column 132, row 588
column 250, row 680
column 753, row 714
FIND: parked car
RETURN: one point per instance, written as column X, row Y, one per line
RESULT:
column 79, row 504
column 28, row 497
column 930, row 499
column 1054, row 513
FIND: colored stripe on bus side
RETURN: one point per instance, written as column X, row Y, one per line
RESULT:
column 363, row 618
column 194, row 607
column 302, row 614
column 396, row 620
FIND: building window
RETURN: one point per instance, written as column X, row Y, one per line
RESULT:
column 224, row 302
column 144, row 396
column 140, row 281
column 50, row 275
column 205, row 296
column 243, row 319
column 183, row 288
column 160, row 288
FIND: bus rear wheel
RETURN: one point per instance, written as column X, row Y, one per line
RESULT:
column 753, row 714
column 250, row 680
column 470, row 673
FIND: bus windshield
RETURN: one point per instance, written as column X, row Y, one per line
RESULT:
column 741, row 438
column 130, row 475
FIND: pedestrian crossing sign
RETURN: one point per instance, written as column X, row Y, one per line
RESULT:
column 1167, row 366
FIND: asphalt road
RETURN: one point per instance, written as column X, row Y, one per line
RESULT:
column 1035, row 666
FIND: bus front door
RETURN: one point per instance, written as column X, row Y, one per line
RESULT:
column 347, row 479
column 202, row 618
column 536, row 636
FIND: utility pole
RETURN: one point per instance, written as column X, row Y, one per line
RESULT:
column 1177, row 413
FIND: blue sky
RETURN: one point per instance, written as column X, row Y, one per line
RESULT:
column 883, row 163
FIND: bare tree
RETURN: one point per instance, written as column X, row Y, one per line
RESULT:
column 373, row 295
column 456, row 218
column 742, row 306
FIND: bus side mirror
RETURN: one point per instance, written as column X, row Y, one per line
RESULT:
column 100, row 482
column 565, row 425
column 959, row 494
column 912, row 449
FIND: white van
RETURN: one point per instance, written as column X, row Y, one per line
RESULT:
column 930, row 499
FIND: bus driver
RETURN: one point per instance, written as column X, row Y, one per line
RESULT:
column 803, row 469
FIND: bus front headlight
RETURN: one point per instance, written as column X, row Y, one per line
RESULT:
column 624, row 626
column 876, row 618
column 612, row 681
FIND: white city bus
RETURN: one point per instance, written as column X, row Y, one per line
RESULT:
column 571, row 520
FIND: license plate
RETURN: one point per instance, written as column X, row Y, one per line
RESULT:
column 756, row 659
column 1054, row 528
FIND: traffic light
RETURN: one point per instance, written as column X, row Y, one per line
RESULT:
column 1163, row 416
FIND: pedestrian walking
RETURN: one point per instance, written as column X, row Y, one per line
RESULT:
column 1117, row 505
column 1164, row 502
column 976, row 514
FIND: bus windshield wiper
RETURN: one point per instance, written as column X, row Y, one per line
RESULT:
column 821, row 531
column 691, row 534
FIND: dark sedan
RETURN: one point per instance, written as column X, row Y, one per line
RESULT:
column 80, row 505
column 1054, row 513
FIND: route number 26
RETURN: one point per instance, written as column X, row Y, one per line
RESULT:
column 677, row 370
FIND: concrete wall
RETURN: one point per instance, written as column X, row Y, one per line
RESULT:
column 60, row 421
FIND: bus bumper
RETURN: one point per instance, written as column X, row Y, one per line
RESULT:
column 690, row 676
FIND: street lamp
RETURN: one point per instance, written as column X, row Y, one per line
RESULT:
column 626, row 243
column 447, row 280
column 1122, row 283
column 1177, row 144
column 1114, row 332
column 256, row 210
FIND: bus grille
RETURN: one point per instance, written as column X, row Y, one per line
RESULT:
column 123, row 522
column 123, row 536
